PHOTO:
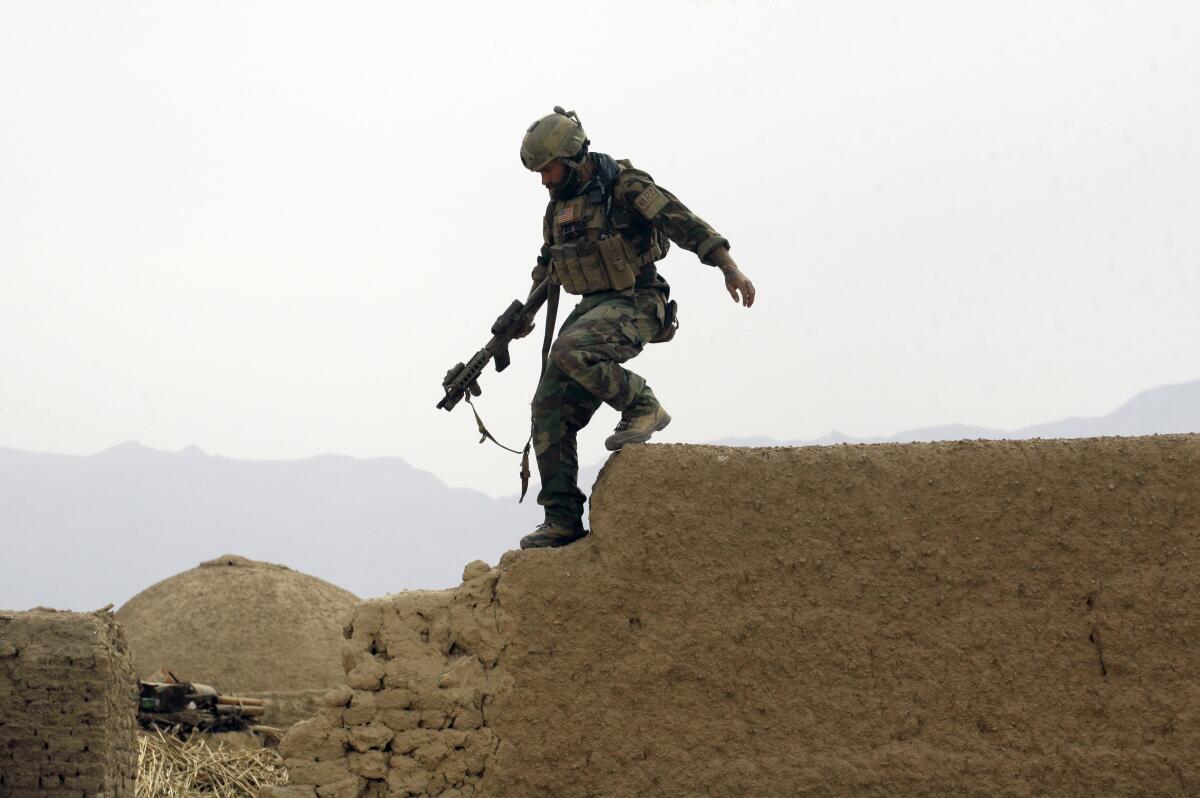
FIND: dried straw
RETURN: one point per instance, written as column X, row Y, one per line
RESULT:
column 172, row 768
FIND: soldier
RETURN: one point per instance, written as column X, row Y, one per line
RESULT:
column 606, row 226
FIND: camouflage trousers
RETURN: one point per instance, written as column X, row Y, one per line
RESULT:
column 583, row 371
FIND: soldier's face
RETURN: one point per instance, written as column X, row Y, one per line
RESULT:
column 554, row 174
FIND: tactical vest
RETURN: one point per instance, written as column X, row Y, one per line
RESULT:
column 595, row 247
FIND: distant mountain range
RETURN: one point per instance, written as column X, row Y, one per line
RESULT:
column 80, row 532
column 1159, row 411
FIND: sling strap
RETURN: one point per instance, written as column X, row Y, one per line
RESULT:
column 551, row 317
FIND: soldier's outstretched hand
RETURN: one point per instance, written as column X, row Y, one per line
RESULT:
column 735, row 281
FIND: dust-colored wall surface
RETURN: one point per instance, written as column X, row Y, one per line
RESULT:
column 975, row 618
column 68, row 705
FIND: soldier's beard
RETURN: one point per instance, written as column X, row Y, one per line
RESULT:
column 567, row 188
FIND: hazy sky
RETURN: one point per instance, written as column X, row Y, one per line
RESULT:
column 268, row 228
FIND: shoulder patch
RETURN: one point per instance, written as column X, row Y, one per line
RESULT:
column 650, row 201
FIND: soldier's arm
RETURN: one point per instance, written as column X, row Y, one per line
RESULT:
column 540, row 269
column 661, row 208
column 664, row 211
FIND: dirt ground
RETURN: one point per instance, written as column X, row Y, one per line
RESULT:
column 974, row 618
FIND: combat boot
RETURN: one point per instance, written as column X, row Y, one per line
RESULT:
column 639, row 421
column 552, row 534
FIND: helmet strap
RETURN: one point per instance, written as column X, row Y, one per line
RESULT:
column 575, row 165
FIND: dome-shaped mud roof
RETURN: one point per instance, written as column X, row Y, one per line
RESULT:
column 240, row 626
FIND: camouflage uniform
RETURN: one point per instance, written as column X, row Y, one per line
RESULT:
column 605, row 329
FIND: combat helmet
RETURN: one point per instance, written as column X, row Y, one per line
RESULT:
column 555, row 136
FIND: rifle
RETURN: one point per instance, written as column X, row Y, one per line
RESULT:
column 461, row 381
column 462, row 378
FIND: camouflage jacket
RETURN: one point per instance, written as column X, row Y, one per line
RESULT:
column 648, row 205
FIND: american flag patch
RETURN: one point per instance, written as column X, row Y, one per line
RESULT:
column 567, row 214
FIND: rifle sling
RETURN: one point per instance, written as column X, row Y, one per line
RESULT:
column 551, row 318
column 485, row 435
column 483, row 431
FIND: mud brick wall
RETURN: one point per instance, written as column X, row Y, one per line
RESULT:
column 68, row 706
column 411, row 720
column 985, row 618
